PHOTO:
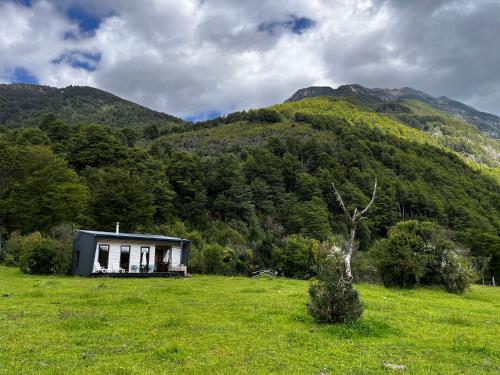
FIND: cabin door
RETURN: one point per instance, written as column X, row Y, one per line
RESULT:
column 144, row 263
column 161, row 259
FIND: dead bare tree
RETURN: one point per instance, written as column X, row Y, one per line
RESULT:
column 354, row 219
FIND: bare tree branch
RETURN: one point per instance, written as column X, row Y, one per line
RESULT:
column 348, row 246
column 341, row 202
column 369, row 204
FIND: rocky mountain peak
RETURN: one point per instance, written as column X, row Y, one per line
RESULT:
column 487, row 123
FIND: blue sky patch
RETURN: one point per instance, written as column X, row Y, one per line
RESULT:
column 296, row 25
column 87, row 22
column 80, row 60
column 21, row 75
column 26, row 3
column 203, row 116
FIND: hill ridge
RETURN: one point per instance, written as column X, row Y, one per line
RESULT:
column 25, row 105
column 487, row 123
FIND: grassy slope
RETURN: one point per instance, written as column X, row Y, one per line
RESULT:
column 210, row 324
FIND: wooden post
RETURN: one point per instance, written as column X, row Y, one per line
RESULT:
column 493, row 280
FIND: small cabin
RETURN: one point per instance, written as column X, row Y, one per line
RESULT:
column 129, row 254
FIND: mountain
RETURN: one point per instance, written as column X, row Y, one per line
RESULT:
column 241, row 185
column 487, row 123
column 291, row 152
column 23, row 105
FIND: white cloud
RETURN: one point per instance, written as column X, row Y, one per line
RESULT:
column 188, row 57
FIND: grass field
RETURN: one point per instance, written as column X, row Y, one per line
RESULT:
column 233, row 325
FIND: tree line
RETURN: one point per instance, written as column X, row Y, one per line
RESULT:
column 265, row 205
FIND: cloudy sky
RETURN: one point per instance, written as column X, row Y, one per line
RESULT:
column 198, row 58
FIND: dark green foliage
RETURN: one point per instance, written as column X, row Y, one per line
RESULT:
column 43, row 256
column 29, row 105
column 248, row 182
column 185, row 172
column 263, row 115
column 485, row 248
column 94, row 146
column 217, row 259
column 27, row 137
column 57, row 131
column 226, row 184
column 420, row 253
column 151, row 132
column 128, row 197
column 130, row 136
column 393, row 107
column 299, row 257
column 11, row 249
column 331, row 298
column 37, row 190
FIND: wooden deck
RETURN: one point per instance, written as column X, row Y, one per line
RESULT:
column 141, row 274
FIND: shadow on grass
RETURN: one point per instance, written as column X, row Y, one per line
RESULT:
column 455, row 321
column 366, row 327
column 76, row 321
column 253, row 290
column 464, row 344
column 171, row 354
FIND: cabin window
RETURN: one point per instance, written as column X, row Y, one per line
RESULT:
column 144, row 258
column 103, row 255
column 125, row 257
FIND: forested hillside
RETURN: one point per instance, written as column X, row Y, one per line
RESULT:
column 487, row 123
column 249, row 188
column 23, row 105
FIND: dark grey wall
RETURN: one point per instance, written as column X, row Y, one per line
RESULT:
column 85, row 243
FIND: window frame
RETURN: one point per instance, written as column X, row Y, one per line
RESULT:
column 128, row 257
column 106, row 266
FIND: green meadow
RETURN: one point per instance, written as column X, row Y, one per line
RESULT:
column 236, row 325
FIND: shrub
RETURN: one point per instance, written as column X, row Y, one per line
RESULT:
column 457, row 274
column 331, row 298
column 12, row 249
column 64, row 235
column 37, row 254
column 217, row 259
column 364, row 269
column 485, row 248
column 299, row 257
column 420, row 253
column 42, row 255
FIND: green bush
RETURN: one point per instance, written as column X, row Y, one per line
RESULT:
column 364, row 269
column 457, row 274
column 263, row 115
column 42, row 256
column 12, row 249
column 299, row 257
column 420, row 253
column 217, row 259
column 331, row 298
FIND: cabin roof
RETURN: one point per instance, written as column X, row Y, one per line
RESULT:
column 137, row 236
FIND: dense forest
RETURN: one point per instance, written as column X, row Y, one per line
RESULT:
column 251, row 189
column 23, row 105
